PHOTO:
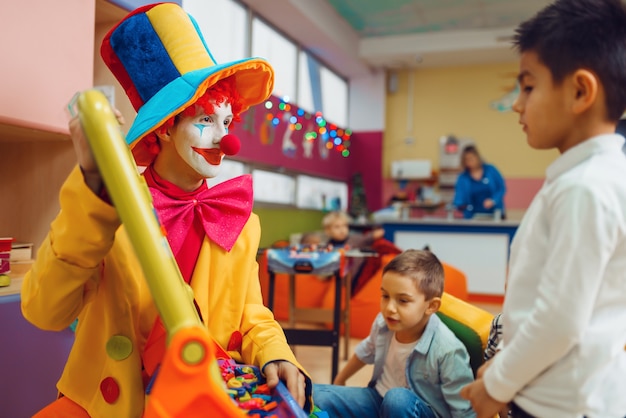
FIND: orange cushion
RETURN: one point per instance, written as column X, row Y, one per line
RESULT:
column 455, row 282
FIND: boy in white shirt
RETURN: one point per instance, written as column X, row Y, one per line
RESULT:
column 564, row 314
column 419, row 364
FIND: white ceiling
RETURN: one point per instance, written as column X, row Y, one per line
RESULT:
column 371, row 35
column 357, row 37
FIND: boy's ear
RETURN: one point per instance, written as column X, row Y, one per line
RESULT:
column 163, row 133
column 586, row 88
column 433, row 305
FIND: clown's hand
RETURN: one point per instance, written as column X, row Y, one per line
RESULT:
column 290, row 374
column 85, row 157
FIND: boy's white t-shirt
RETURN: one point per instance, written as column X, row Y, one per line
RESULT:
column 394, row 370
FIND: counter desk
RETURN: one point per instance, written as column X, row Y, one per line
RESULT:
column 480, row 248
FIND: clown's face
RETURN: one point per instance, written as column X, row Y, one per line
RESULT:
column 197, row 139
column 190, row 150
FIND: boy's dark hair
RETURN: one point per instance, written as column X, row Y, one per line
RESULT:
column 569, row 35
column 423, row 267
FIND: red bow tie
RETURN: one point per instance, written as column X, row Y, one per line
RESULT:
column 224, row 210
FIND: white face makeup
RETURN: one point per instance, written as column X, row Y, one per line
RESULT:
column 197, row 139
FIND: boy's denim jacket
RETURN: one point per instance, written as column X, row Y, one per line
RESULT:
column 437, row 369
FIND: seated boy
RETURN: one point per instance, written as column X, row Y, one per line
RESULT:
column 419, row 364
column 336, row 227
column 311, row 240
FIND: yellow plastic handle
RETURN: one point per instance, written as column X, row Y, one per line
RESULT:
column 131, row 197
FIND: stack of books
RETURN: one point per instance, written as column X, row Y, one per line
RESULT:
column 5, row 265
column 21, row 257
column 5, row 254
column 15, row 257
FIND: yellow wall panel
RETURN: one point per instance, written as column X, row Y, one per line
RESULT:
column 458, row 101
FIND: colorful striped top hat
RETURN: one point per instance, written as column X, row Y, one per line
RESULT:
column 160, row 58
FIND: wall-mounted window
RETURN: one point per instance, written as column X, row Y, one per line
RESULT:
column 280, row 52
column 272, row 187
column 334, row 97
column 291, row 189
column 224, row 26
column 228, row 169
column 307, row 84
column 299, row 76
column 320, row 89
column 321, row 194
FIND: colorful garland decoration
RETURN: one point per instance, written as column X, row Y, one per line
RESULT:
column 333, row 137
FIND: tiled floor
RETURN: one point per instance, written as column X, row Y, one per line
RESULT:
column 317, row 360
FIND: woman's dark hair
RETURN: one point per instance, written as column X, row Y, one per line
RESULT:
column 569, row 35
column 470, row 149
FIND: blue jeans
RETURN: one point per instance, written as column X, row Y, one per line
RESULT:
column 358, row 402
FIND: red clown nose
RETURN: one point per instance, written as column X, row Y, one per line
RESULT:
column 230, row 144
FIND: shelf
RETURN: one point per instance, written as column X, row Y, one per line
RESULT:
column 15, row 287
column 11, row 132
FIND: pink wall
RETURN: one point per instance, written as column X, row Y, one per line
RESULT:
column 366, row 159
column 279, row 147
column 47, row 56
column 519, row 191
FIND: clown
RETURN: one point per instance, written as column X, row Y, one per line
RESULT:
column 86, row 268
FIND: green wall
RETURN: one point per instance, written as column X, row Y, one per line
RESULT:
column 278, row 224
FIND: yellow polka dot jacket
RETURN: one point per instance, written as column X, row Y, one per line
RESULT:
column 86, row 269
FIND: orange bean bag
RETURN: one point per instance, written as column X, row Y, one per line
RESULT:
column 455, row 282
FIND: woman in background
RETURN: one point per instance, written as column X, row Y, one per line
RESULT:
column 480, row 187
